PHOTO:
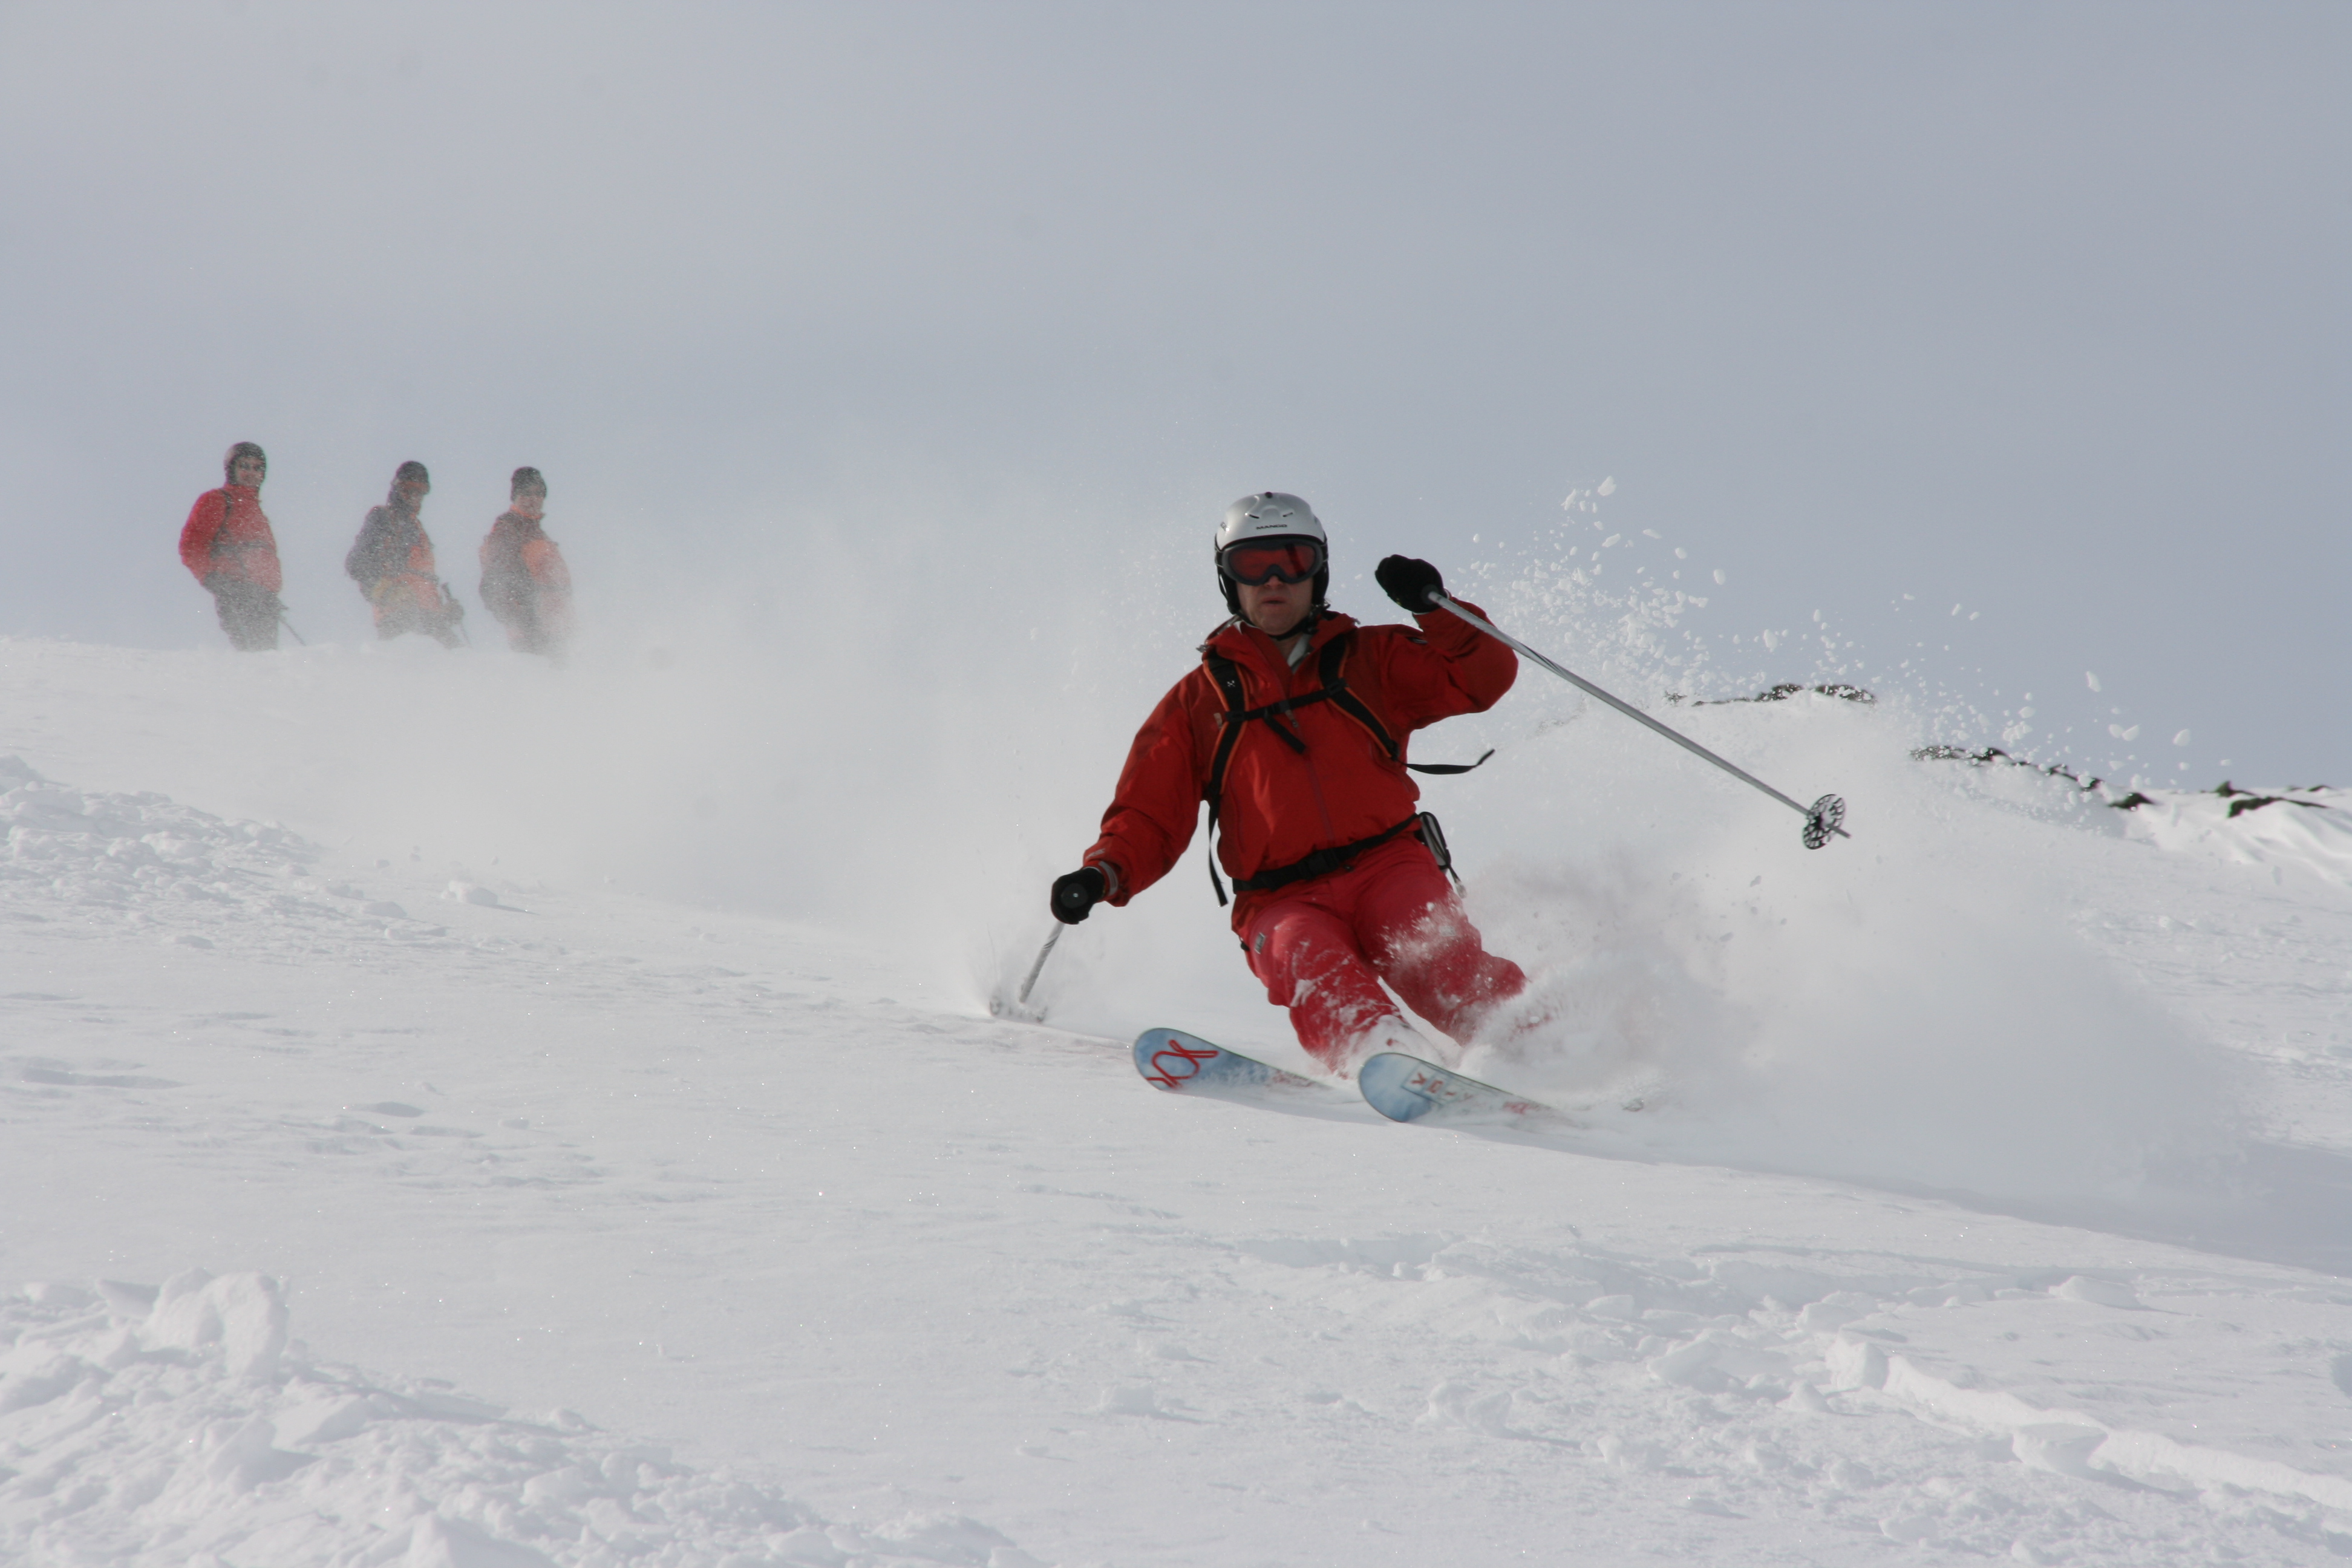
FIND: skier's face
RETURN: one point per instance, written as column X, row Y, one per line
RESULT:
column 412, row 492
column 248, row 471
column 1274, row 606
column 531, row 504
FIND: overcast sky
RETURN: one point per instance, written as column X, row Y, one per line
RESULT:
column 2037, row 309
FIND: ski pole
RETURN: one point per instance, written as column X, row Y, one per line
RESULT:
column 1822, row 819
column 290, row 626
column 1044, row 953
column 454, row 613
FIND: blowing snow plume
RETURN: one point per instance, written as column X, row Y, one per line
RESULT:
column 1915, row 1011
column 917, row 743
column 1909, row 1007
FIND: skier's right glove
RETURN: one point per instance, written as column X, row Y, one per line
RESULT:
column 1076, row 895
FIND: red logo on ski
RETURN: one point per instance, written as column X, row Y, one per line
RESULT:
column 1168, row 1058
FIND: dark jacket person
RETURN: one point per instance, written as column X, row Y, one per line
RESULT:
column 393, row 563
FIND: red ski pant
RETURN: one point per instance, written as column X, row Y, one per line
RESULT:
column 1322, row 948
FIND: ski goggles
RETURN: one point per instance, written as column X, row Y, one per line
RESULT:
column 1259, row 561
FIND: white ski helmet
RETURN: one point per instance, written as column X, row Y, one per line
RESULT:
column 1270, row 514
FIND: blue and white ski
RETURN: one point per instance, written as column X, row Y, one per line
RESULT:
column 1186, row 1063
column 1406, row 1089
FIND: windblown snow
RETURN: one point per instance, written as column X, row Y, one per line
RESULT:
column 462, row 1113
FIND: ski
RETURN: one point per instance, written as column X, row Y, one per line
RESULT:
column 1179, row 1063
column 1406, row 1089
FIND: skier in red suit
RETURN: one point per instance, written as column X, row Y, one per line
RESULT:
column 1294, row 729
column 226, row 543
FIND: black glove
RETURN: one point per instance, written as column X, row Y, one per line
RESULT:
column 1409, row 582
column 1076, row 895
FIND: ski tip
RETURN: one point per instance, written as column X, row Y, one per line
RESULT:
column 1170, row 1061
column 1176, row 1062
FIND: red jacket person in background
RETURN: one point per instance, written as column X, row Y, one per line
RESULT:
column 1293, row 728
column 226, row 543
column 525, row 582
column 393, row 563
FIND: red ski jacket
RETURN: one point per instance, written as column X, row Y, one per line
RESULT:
column 226, row 534
column 1280, row 804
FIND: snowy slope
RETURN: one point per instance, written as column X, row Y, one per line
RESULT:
column 384, row 1184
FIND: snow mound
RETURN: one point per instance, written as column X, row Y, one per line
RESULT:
column 148, row 1427
column 2286, row 830
column 2235, row 826
column 143, row 860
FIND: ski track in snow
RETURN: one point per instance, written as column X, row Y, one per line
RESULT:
column 983, row 1298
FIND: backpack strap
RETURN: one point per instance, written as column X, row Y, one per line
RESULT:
column 1229, row 680
column 1335, row 685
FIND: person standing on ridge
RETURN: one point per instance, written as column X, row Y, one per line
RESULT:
column 393, row 563
column 1293, row 729
column 226, row 543
column 525, row 582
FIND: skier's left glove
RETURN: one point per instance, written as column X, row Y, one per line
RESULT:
column 1076, row 895
column 1409, row 582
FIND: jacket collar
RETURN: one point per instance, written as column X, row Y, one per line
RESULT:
column 1246, row 645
